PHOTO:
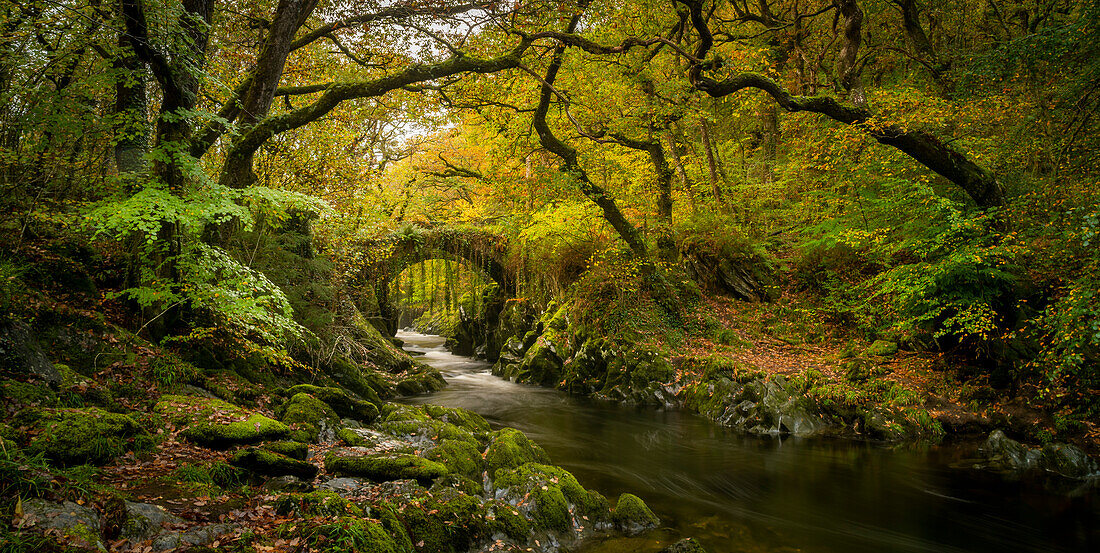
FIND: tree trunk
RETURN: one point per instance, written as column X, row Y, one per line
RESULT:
column 712, row 165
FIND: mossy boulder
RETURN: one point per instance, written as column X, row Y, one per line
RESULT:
column 461, row 418
column 506, row 520
column 317, row 503
column 350, row 437
column 341, row 402
column 511, row 448
column 214, row 423
column 86, row 436
column 354, row 534
column 385, row 468
column 633, row 516
column 551, row 497
column 294, row 450
column 26, row 393
column 269, row 463
column 422, row 382
column 460, row 457
column 449, row 521
column 310, row 419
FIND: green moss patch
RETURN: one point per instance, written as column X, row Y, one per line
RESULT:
column 294, row 450
column 215, row 423
column 511, row 448
column 341, row 402
column 269, row 463
column 89, row 436
column 318, row 503
column 553, row 496
column 385, row 468
column 460, row 457
column 632, row 515
column 450, row 521
column 307, row 416
column 353, row 534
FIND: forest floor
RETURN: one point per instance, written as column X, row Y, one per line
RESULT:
column 791, row 338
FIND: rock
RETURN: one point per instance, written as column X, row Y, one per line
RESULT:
column 421, row 383
column 511, row 448
column 310, row 419
column 1066, row 460
column 881, row 348
column 686, row 545
column 387, row 467
column 294, row 450
column 76, row 524
column 1005, row 454
column 460, row 457
column 20, row 354
column 86, row 436
column 145, row 520
column 194, row 537
column 346, row 486
column 269, row 463
column 216, row 423
column 342, row 403
column 767, row 407
column 287, row 483
column 633, row 516
column 550, row 497
column 322, row 502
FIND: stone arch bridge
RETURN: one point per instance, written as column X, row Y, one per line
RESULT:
column 389, row 255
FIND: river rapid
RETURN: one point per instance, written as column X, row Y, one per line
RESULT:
column 743, row 493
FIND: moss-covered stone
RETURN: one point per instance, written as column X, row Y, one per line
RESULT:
column 460, row 457
column 354, row 534
column 506, row 520
column 215, row 423
column 308, row 417
column 457, row 481
column 511, row 448
column 350, row 437
column 459, row 417
column 420, row 383
column 449, row 521
column 633, row 516
column 269, row 463
column 385, row 468
column 391, row 521
column 317, row 503
column 343, row 404
column 294, row 450
column 86, row 436
column 552, row 496
column 881, row 348
column 25, row 393
column 427, row 429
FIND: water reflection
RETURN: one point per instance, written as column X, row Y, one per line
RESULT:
column 744, row 493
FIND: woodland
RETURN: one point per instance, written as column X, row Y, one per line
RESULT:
column 874, row 220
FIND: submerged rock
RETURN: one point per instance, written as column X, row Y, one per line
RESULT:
column 633, row 516
column 686, row 545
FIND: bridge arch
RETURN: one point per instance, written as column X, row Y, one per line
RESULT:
column 389, row 255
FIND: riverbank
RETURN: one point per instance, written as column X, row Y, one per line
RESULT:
column 775, row 368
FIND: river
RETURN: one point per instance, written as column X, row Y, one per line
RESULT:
column 743, row 493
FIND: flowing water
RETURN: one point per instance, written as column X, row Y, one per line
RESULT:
column 739, row 493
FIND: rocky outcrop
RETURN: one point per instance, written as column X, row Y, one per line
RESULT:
column 1003, row 454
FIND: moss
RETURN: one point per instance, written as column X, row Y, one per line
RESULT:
column 269, row 463
column 555, row 494
column 343, row 404
column 307, row 416
column 430, row 429
column 505, row 519
column 294, row 450
column 75, row 437
column 460, row 457
column 458, row 482
column 317, row 503
column 511, row 448
column 350, row 437
column 382, row 469
column 459, row 417
column 28, row 394
column 633, row 515
column 361, row 380
column 354, row 534
column 447, row 522
column 427, row 381
column 208, row 422
column 391, row 521
column 394, row 412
